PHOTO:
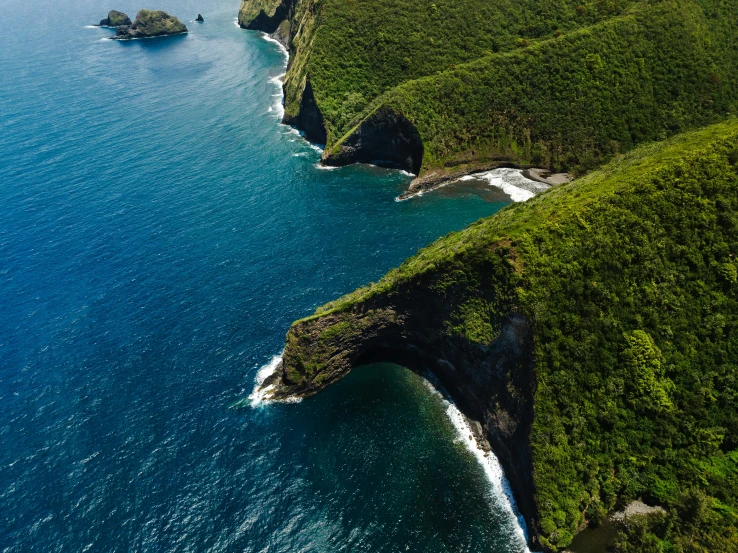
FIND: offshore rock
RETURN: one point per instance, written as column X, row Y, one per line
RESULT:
column 199, row 18
column 151, row 23
column 115, row 19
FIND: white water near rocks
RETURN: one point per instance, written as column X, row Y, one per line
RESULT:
column 511, row 182
column 499, row 485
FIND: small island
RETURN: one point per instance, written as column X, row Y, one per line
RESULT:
column 150, row 23
column 115, row 19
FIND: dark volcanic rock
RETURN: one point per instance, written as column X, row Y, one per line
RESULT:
column 199, row 18
column 309, row 119
column 386, row 139
column 151, row 23
column 115, row 19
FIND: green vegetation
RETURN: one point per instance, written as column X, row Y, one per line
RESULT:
column 156, row 23
column 564, row 84
column 628, row 277
column 571, row 102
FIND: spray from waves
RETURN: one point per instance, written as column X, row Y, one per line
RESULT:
column 278, row 105
column 282, row 49
column 500, row 487
column 258, row 396
column 511, row 182
column 235, row 22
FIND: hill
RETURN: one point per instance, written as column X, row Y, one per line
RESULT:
column 591, row 331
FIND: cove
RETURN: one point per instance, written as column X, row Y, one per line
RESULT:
column 159, row 232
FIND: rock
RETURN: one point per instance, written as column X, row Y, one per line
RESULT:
column 115, row 19
column 150, row 23
column 199, row 18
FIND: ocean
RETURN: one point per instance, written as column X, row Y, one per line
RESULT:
column 159, row 232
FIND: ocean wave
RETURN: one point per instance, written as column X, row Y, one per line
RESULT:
column 499, row 485
column 259, row 395
column 284, row 50
column 511, row 182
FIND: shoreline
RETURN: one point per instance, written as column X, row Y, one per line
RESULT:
column 436, row 179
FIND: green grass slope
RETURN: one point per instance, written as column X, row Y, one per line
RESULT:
column 629, row 277
column 571, row 102
column 358, row 50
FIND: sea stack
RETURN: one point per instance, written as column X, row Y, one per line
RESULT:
column 115, row 19
column 150, row 23
column 199, row 18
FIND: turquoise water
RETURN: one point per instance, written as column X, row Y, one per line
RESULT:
column 159, row 231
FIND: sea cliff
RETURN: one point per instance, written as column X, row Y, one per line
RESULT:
column 588, row 331
column 471, row 85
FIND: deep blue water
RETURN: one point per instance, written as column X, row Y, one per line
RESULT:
column 159, row 231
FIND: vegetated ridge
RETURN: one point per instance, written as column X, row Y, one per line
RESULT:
column 452, row 86
column 591, row 331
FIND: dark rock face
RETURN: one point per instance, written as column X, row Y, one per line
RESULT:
column 492, row 384
column 115, row 19
column 386, row 139
column 282, row 34
column 199, row 18
column 269, row 23
column 150, row 23
column 309, row 119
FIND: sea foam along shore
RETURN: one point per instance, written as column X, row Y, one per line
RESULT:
column 474, row 443
column 499, row 486
column 511, row 181
column 258, row 395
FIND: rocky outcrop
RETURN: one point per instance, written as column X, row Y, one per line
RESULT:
column 490, row 377
column 115, row 19
column 264, row 15
column 199, row 18
column 384, row 138
column 151, row 23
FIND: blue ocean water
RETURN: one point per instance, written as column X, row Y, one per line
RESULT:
column 159, row 231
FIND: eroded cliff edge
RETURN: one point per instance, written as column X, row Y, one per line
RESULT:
column 293, row 23
column 573, row 328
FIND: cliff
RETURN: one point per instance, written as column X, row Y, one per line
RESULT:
column 591, row 331
column 470, row 84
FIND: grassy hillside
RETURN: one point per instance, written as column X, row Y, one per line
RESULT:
column 629, row 278
column 571, row 102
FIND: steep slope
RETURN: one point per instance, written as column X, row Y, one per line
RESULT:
column 350, row 52
column 591, row 331
column 439, row 88
column 568, row 103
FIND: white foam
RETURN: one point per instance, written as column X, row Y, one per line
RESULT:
column 326, row 167
column 259, row 394
column 235, row 21
column 511, row 182
column 92, row 27
column 500, row 487
column 266, row 37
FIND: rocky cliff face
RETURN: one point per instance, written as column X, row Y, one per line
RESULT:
column 424, row 324
column 385, row 138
